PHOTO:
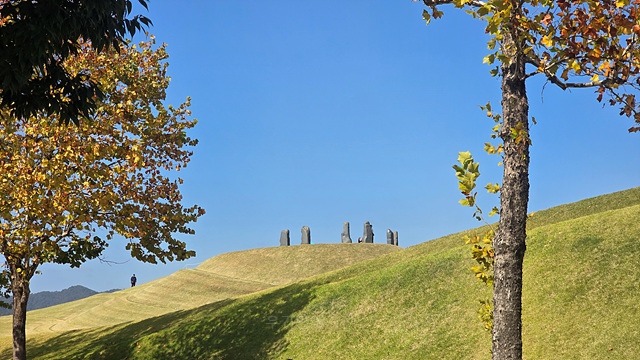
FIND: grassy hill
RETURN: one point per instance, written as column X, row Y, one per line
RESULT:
column 221, row 277
column 581, row 284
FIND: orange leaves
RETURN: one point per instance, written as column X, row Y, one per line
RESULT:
column 586, row 44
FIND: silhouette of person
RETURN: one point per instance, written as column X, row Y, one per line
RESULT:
column 133, row 280
column 359, row 239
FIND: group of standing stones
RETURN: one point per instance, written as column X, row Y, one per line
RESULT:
column 367, row 235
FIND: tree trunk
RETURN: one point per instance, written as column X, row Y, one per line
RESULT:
column 509, row 243
column 20, row 289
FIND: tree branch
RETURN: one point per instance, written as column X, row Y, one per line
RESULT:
column 565, row 85
column 475, row 3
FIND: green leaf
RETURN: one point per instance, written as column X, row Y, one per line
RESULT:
column 492, row 43
column 484, row 11
column 464, row 157
column 490, row 149
column 494, row 211
column 489, row 59
column 426, row 16
column 473, row 168
column 492, row 188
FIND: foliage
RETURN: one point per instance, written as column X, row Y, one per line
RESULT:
column 574, row 44
column 37, row 37
column 482, row 246
column 61, row 183
column 65, row 191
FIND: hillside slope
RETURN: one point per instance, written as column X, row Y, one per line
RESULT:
column 221, row 277
column 580, row 302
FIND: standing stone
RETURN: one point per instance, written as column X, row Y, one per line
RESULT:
column 367, row 236
column 389, row 237
column 395, row 238
column 306, row 235
column 284, row 238
column 346, row 237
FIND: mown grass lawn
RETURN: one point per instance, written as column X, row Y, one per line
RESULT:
column 581, row 284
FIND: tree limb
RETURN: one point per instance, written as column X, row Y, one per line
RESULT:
column 533, row 60
column 475, row 3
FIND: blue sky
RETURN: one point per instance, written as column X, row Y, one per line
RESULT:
column 316, row 113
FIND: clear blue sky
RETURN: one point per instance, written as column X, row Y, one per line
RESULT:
column 316, row 113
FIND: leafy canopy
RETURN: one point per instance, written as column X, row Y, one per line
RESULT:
column 574, row 44
column 36, row 37
column 59, row 185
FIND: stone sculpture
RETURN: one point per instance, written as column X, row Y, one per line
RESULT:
column 284, row 238
column 306, row 235
column 389, row 237
column 345, row 236
column 367, row 236
column 395, row 238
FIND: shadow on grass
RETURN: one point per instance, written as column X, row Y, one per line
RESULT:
column 245, row 328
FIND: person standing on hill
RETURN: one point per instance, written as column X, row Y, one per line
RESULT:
column 133, row 280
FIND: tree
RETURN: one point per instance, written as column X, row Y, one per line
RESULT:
column 573, row 44
column 36, row 37
column 60, row 185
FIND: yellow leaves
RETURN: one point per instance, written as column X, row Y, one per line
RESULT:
column 606, row 67
column 106, row 172
column 490, row 149
column 546, row 41
column 596, row 52
column 574, row 65
column 489, row 59
column 492, row 188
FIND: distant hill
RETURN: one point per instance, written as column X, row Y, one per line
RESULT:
column 45, row 299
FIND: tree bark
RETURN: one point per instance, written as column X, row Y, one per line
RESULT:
column 21, row 291
column 509, row 243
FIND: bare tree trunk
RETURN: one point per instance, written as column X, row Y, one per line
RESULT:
column 509, row 243
column 20, row 289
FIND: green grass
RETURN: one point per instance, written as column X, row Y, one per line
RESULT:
column 221, row 277
column 581, row 283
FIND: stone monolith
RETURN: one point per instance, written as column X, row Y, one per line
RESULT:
column 367, row 236
column 345, row 236
column 284, row 238
column 306, row 235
